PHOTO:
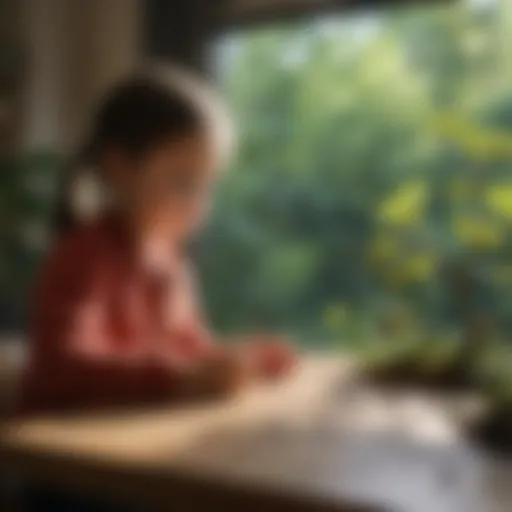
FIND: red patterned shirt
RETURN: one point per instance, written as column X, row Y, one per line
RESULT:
column 107, row 329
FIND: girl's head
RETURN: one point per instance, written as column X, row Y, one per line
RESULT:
column 157, row 142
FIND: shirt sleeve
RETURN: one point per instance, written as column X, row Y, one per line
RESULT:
column 72, row 341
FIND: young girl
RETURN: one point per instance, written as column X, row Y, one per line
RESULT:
column 115, row 320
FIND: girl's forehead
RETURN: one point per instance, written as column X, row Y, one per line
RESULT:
column 191, row 157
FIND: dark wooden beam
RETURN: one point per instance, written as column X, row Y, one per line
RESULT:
column 237, row 13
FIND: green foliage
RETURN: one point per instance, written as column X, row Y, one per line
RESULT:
column 27, row 196
column 375, row 151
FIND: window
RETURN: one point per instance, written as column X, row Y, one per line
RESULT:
column 373, row 188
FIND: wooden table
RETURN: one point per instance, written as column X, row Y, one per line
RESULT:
column 311, row 443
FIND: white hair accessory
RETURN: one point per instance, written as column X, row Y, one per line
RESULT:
column 87, row 196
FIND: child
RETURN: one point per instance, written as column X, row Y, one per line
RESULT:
column 115, row 319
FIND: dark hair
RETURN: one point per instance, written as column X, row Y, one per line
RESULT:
column 135, row 116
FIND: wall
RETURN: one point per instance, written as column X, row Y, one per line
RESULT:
column 73, row 50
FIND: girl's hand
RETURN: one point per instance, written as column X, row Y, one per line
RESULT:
column 222, row 374
column 271, row 357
